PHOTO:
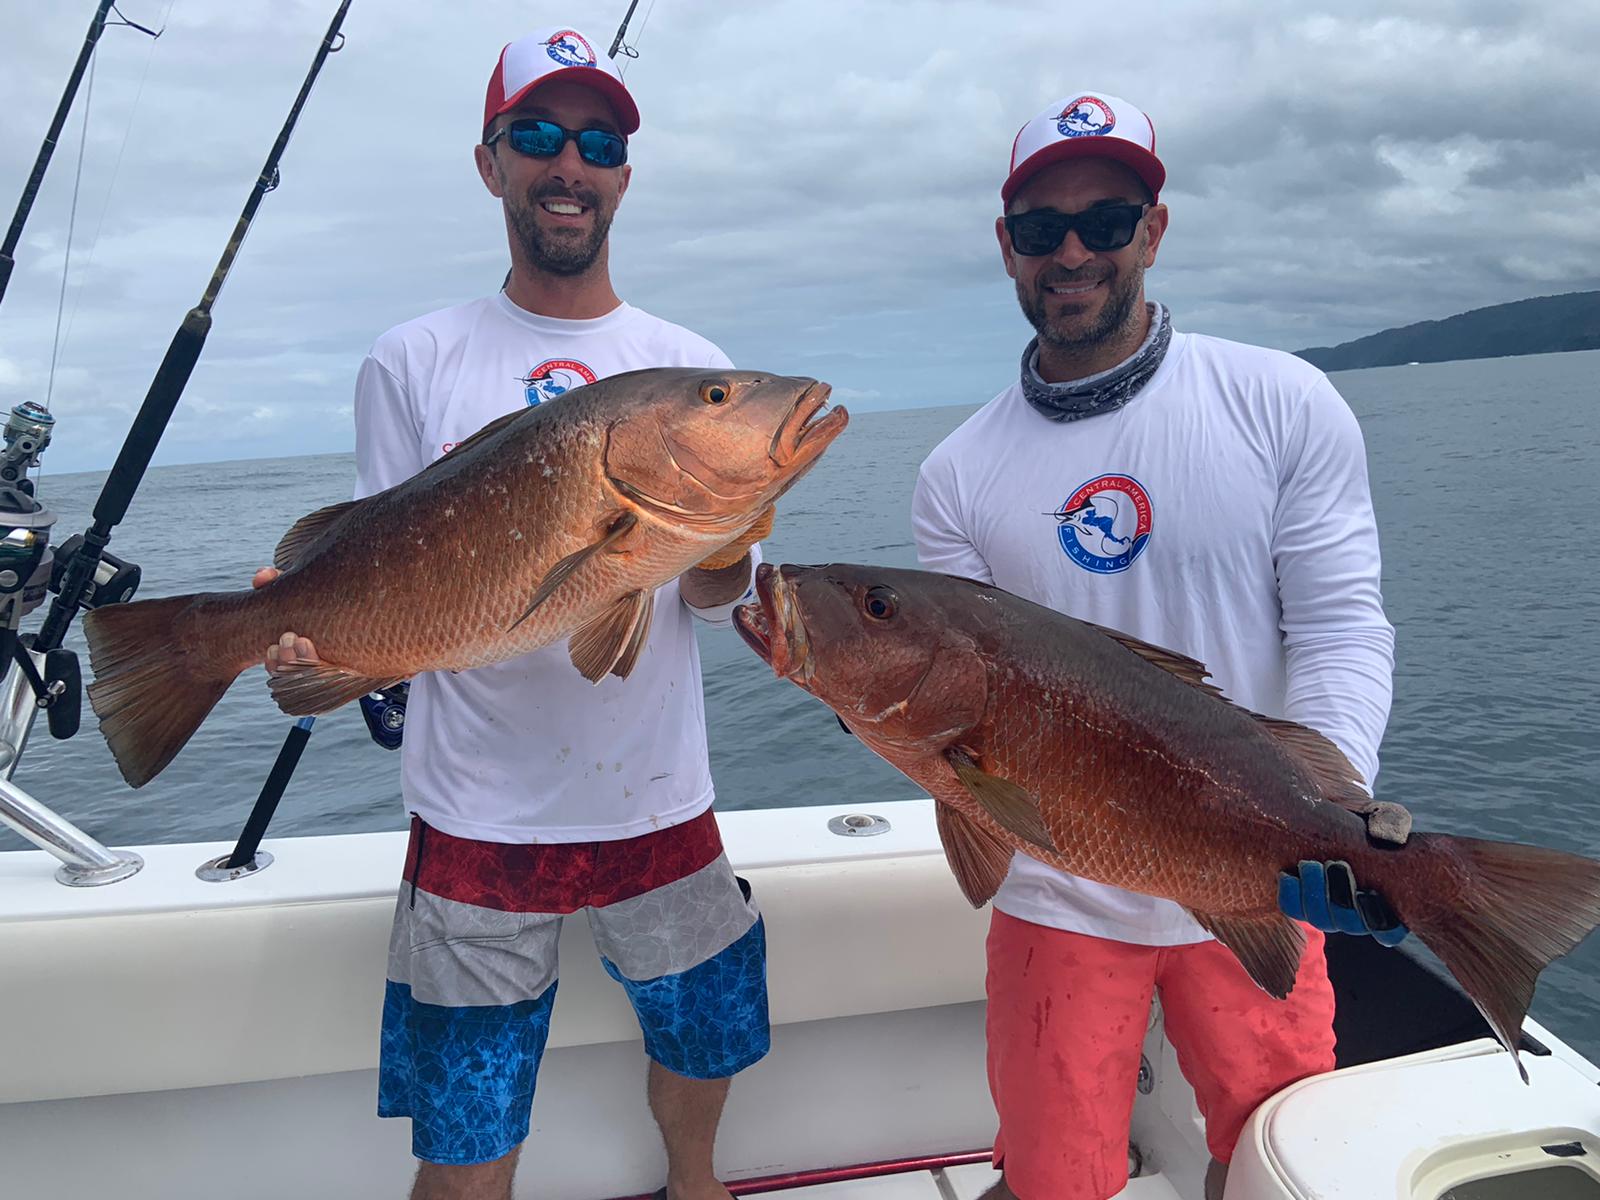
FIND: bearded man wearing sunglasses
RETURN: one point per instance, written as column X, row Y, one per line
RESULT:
column 1204, row 496
column 511, row 830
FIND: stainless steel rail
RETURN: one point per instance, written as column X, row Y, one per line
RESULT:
column 84, row 861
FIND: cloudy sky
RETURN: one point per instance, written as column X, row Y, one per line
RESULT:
column 814, row 184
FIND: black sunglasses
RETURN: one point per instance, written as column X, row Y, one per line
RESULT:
column 538, row 138
column 1108, row 227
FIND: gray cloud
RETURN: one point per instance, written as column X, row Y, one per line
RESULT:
column 815, row 185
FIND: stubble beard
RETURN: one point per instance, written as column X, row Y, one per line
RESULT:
column 563, row 252
column 1117, row 315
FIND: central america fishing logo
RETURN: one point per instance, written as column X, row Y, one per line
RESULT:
column 554, row 377
column 569, row 49
column 1105, row 524
column 1087, row 116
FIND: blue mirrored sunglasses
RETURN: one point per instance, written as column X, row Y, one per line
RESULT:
column 539, row 138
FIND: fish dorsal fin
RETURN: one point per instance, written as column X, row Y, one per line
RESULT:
column 308, row 689
column 483, row 435
column 1338, row 777
column 612, row 641
column 310, row 527
column 1191, row 671
column 978, row 859
column 1267, row 947
column 564, row 569
column 449, row 460
column 1008, row 804
column 307, row 530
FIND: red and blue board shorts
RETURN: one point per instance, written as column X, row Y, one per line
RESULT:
column 472, row 971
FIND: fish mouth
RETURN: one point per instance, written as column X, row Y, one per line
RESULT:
column 808, row 429
column 805, row 432
column 773, row 628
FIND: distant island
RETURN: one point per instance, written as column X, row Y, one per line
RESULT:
column 1545, row 325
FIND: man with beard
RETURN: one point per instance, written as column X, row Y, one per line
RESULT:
column 1202, row 495
column 534, row 794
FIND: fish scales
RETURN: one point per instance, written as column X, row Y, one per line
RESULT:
column 1118, row 762
column 1143, row 784
column 551, row 522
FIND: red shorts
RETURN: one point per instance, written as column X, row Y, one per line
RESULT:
column 1066, row 1020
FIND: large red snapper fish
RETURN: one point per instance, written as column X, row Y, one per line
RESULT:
column 1116, row 761
column 553, row 521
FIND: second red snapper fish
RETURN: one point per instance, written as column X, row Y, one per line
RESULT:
column 556, row 520
column 1115, row 760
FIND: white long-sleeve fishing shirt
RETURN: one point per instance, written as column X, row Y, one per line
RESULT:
column 1224, row 512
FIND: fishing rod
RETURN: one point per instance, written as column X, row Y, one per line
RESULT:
column 383, row 711
column 616, row 42
column 84, row 574
column 30, row 189
column 166, row 389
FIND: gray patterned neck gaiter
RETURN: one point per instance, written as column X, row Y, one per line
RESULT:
column 1105, row 391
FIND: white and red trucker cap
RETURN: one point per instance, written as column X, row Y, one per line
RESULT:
column 555, row 53
column 1086, row 125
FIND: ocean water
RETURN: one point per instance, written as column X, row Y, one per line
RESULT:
column 1486, row 480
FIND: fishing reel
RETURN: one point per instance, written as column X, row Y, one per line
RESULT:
column 25, row 524
column 385, row 713
column 26, row 563
column 29, row 568
column 115, row 579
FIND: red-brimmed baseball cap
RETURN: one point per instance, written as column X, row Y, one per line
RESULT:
column 1086, row 125
column 556, row 53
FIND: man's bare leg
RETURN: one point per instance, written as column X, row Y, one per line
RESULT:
column 688, row 1110
column 480, row 1181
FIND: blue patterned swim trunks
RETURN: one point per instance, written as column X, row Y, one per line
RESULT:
column 472, row 971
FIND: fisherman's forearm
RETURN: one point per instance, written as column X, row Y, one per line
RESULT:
column 712, row 589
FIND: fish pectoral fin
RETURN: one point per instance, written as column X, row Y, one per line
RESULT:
column 564, row 569
column 1267, row 947
column 978, row 859
column 309, row 689
column 307, row 530
column 612, row 641
column 1008, row 804
column 629, row 658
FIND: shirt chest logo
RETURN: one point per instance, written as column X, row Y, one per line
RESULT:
column 554, row 377
column 1105, row 524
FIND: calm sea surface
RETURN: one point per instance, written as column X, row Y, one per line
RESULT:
column 1486, row 478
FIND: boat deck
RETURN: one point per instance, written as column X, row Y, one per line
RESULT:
column 949, row 1183
column 965, row 1182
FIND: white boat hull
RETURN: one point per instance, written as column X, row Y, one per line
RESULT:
column 169, row 1038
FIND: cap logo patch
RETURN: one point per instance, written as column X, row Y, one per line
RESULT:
column 568, row 47
column 1087, row 116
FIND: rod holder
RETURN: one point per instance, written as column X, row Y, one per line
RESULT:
column 84, row 861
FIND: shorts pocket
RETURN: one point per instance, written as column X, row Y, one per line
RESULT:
column 437, row 922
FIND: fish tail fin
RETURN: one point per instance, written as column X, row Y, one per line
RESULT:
column 1518, row 908
column 150, row 690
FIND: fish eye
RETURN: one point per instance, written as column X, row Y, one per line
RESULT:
column 713, row 393
column 880, row 603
